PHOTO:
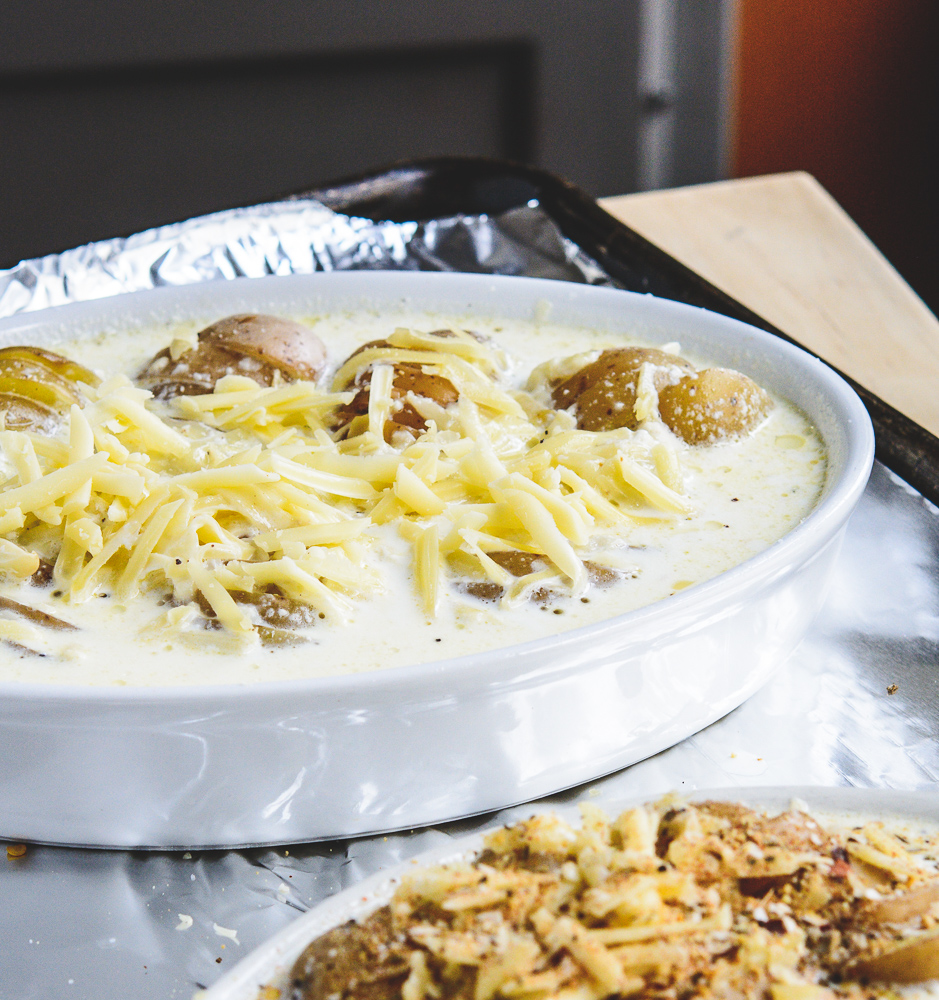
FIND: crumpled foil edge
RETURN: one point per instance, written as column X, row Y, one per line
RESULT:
column 298, row 236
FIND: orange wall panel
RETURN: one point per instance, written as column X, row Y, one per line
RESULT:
column 849, row 90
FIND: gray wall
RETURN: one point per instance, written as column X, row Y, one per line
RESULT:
column 118, row 115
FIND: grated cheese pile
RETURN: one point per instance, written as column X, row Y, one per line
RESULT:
column 204, row 501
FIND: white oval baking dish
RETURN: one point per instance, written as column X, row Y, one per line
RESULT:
column 270, row 963
column 302, row 760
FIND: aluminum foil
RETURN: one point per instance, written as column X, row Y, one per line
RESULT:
column 857, row 704
column 295, row 237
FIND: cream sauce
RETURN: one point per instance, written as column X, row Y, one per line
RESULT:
column 744, row 494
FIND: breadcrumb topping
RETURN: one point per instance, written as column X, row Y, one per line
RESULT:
column 667, row 900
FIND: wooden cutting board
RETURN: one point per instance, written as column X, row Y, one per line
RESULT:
column 782, row 246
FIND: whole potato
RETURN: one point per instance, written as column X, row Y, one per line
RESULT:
column 338, row 386
column 408, row 377
column 603, row 393
column 248, row 344
column 295, row 350
column 713, row 405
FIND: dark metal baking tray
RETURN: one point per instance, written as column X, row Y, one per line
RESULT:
column 421, row 190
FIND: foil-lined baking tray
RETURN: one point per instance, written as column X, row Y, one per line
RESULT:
column 858, row 703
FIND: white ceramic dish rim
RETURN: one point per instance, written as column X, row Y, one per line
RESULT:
column 836, row 499
column 274, row 957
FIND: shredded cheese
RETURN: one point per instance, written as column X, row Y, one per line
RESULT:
column 217, row 498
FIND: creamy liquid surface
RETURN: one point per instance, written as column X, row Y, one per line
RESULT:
column 745, row 495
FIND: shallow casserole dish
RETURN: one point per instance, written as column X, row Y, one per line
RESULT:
column 292, row 761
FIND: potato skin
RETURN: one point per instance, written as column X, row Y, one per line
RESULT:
column 295, row 350
column 603, row 393
column 371, row 344
column 195, row 372
column 250, row 344
column 408, row 377
column 523, row 563
column 713, row 405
